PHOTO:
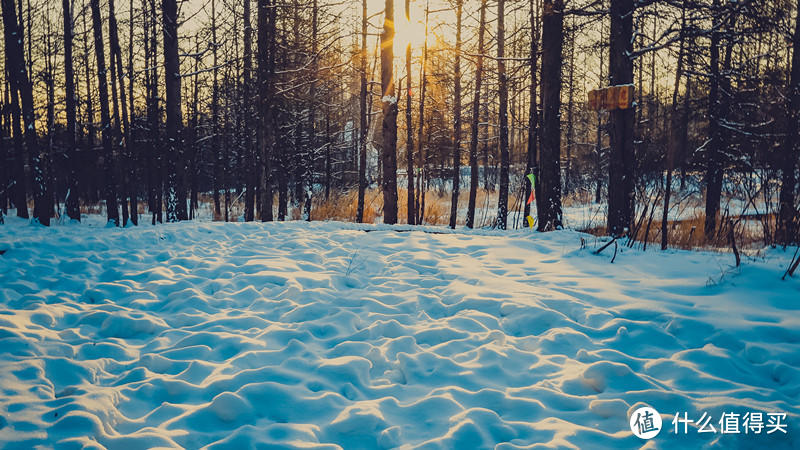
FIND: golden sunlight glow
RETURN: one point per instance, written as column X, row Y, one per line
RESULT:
column 410, row 32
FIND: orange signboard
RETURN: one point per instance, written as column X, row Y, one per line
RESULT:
column 611, row 98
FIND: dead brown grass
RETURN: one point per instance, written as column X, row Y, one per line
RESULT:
column 689, row 234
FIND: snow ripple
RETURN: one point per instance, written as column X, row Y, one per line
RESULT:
column 321, row 335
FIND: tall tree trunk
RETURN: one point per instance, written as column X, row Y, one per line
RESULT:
column 533, row 114
column 72, row 205
column 215, row 148
column 266, row 67
column 47, row 158
column 713, row 169
column 156, row 169
column 411, row 203
column 502, row 203
column 787, row 213
column 130, row 140
column 196, row 149
column 362, row 105
column 456, row 119
column 117, row 76
column 14, row 39
column 308, row 182
column 389, row 126
column 549, row 208
column 176, row 202
column 249, row 125
column 621, row 162
column 422, row 149
column 476, row 106
column 12, row 68
column 570, row 116
column 673, row 144
column 90, row 189
column 106, row 131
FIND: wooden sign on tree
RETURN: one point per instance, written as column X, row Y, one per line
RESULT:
column 611, row 98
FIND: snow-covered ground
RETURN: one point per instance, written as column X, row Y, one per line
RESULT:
column 244, row 335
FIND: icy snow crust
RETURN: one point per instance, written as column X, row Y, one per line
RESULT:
column 322, row 335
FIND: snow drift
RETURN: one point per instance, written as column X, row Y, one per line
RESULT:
column 324, row 335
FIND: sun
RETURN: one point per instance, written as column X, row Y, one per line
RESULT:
column 409, row 32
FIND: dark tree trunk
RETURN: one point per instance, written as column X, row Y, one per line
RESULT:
column 117, row 76
column 411, row 203
column 249, row 124
column 714, row 146
column 549, row 207
column 673, row 144
column 308, row 172
column 621, row 161
column 502, row 204
column 476, row 107
column 215, row 148
column 105, row 117
column 422, row 150
column 176, row 201
column 130, row 140
column 15, row 60
column 531, row 166
column 362, row 105
column 72, row 205
column 389, row 126
column 456, row 119
column 13, row 53
column 156, row 157
column 570, row 131
column 266, row 67
column 787, row 214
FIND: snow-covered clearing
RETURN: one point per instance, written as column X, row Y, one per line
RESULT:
column 240, row 335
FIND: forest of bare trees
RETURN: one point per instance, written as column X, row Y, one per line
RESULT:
column 317, row 109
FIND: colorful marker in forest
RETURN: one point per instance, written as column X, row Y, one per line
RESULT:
column 532, row 197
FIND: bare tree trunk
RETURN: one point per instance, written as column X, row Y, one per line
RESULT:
column 14, row 41
column 532, row 166
column 411, row 202
column 156, row 169
column 456, row 119
column 176, row 202
column 130, row 141
column 117, row 76
column 672, row 146
column 91, row 185
column 476, row 106
column 621, row 163
column 713, row 169
column 249, row 124
column 15, row 68
column 266, row 67
column 105, row 118
column 49, row 79
column 215, row 149
column 549, row 208
column 362, row 104
column 312, row 116
column 389, row 126
column 72, row 205
column 570, row 116
column 502, row 204
column 422, row 150
column 787, row 214
column 196, row 155
column 19, row 174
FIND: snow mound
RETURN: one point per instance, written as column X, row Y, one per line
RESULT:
column 329, row 335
